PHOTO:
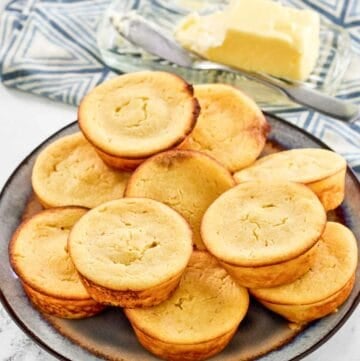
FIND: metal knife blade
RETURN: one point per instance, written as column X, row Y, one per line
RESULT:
column 141, row 33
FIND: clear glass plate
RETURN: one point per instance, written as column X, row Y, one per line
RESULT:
column 121, row 55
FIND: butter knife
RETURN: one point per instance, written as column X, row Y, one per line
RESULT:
column 141, row 33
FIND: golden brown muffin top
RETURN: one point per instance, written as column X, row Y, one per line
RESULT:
column 130, row 244
column 335, row 263
column 230, row 127
column 69, row 172
column 185, row 180
column 207, row 304
column 297, row 165
column 261, row 223
column 138, row 114
column 38, row 253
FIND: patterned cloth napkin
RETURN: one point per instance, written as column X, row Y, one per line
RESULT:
column 48, row 47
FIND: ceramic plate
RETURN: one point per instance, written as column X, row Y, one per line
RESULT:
column 261, row 335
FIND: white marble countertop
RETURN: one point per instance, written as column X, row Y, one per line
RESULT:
column 26, row 120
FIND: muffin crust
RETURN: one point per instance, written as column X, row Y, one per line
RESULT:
column 231, row 127
column 323, row 171
column 38, row 254
column 69, row 172
column 118, row 259
column 200, row 317
column 138, row 114
column 262, row 223
column 327, row 284
column 274, row 274
column 185, row 180
column 334, row 265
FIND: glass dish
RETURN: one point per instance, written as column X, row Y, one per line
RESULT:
column 122, row 56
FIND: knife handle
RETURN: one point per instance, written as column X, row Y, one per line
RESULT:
column 310, row 98
column 323, row 103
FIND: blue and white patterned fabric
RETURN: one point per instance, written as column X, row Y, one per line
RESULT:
column 48, row 47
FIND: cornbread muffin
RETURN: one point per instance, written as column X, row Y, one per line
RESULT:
column 69, row 172
column 185, row 180
column 38, row 255
column 273, row 274
column 199, row 319
column 327, row 284
column 133, row 116
column 263, row 232
column 135, row 254
column 321, row 170
column 231, row 127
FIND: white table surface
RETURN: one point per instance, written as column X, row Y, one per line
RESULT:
column 25, row 121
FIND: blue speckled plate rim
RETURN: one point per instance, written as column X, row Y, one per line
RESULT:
column 47, row 348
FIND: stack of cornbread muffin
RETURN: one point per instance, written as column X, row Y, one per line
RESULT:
column 159, row 206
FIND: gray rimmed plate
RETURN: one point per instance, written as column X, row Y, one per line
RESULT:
column 262, row 334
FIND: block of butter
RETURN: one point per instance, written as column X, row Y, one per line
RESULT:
column 256, row 35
